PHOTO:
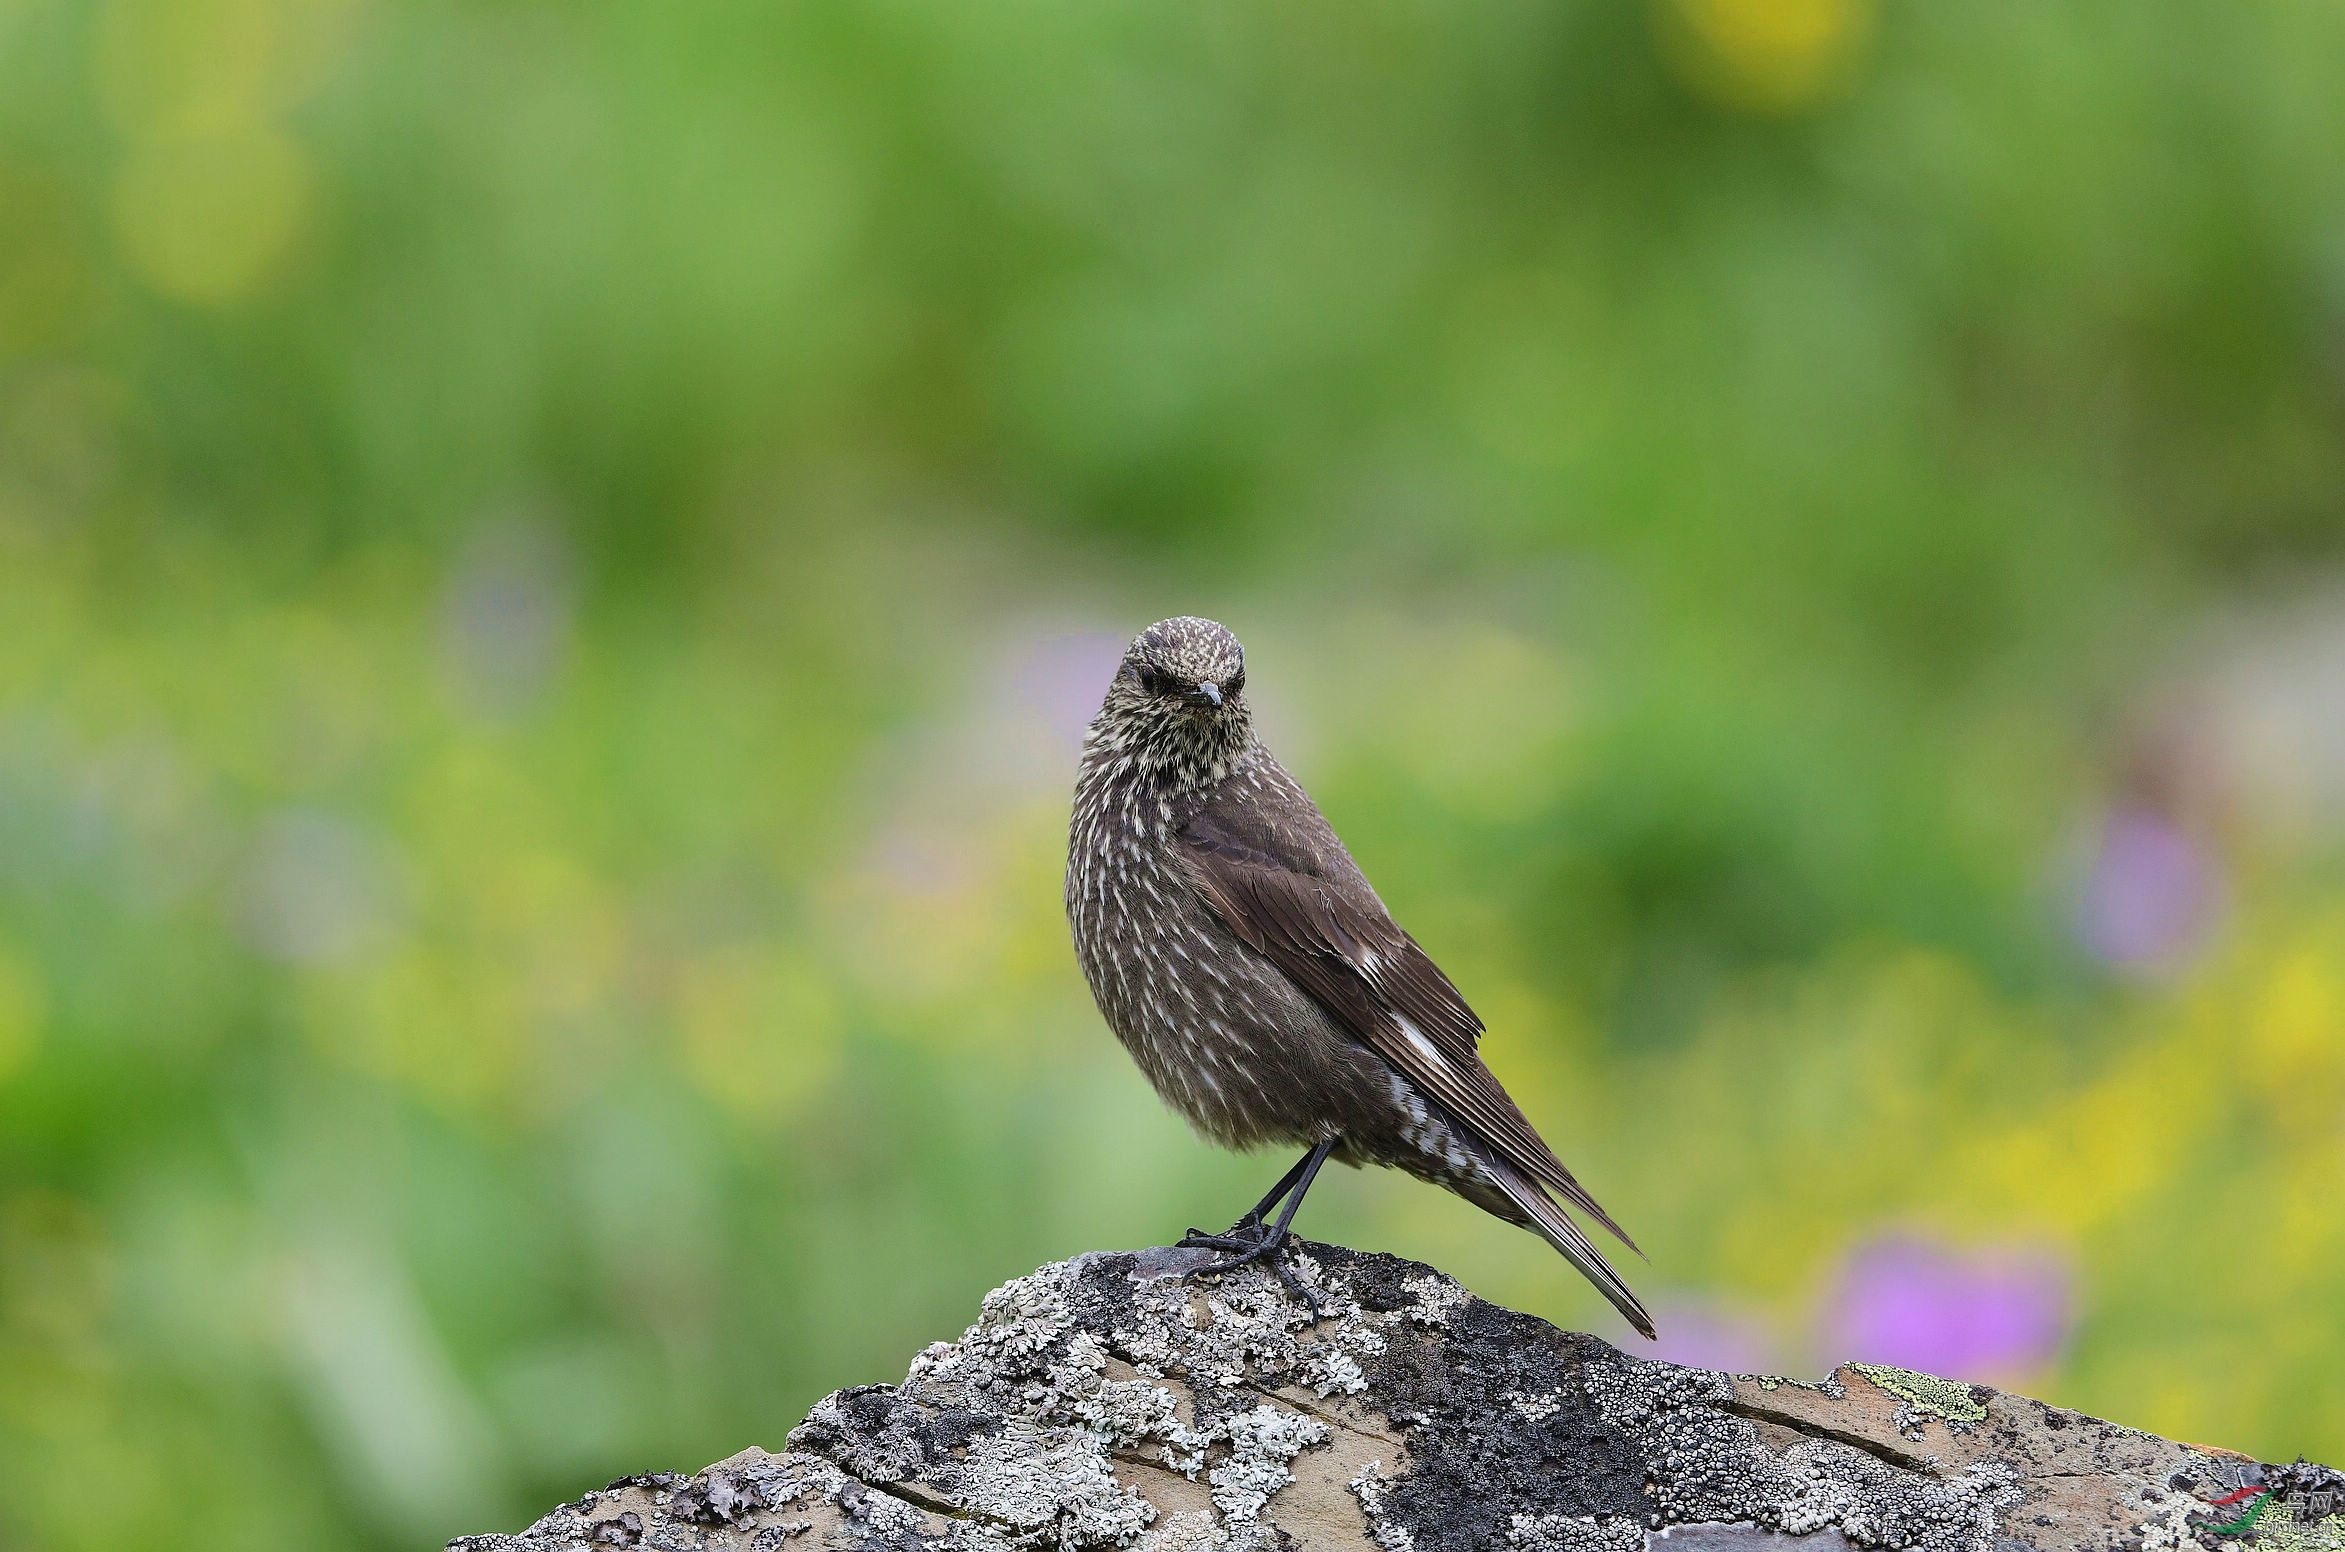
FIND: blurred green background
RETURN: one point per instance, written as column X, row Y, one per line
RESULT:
column 553, row 559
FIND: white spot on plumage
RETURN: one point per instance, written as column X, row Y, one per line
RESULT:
column 1422, row 1046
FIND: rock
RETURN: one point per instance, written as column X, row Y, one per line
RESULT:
column 1107, row 1401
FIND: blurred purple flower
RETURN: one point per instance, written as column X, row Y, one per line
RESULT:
column 2151, row 893
column 318, row 889
column 1908, row 1302
column 1064, row 677
column 506, row 619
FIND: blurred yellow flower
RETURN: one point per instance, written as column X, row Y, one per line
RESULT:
column 2088, row 1158
column 543, row 919
column 2295, row 1027
column 439, row 1028
column 760, row 1028
column 213, row 193
column 209, row 220
column 1482, row 717
column 192, row 69
column 1764, row 56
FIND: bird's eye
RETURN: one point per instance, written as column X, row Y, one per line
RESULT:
column 1153, row 680
column 1235, row 683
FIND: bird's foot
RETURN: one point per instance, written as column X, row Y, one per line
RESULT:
column 1251, row 1242
column 1241, row 1237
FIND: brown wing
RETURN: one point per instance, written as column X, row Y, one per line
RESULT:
column 1270, row 865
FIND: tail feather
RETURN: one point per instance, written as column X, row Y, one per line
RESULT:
column 1577, row 1194
column 1549, row 1222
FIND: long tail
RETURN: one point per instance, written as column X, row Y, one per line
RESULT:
column 1538, row 1212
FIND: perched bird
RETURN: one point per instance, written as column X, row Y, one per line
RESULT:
column 1237, row 951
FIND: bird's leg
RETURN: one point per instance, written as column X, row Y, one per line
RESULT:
column 1243, row 1234
column 1264, row 1244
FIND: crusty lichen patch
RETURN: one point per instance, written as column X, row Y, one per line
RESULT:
column 1575, row 1533
column 1109, row 1401
column 1709, row 1467
column 754, row 1502
column 1924, row 1392
column 1029, row 1425
column 2284, row 1531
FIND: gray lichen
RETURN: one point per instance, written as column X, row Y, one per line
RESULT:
column 1110, row 1401
column 1569, row 1533
column 1022, row 1423
column 1683, row 1419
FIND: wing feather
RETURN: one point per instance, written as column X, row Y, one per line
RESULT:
column 1286, row 886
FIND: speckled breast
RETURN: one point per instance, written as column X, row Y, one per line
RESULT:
column 1170, row 981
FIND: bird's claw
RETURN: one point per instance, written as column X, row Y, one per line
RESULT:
column 1250, row 1242
column 1247, row 1234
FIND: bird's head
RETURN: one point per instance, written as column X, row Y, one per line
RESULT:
column 1179, row 699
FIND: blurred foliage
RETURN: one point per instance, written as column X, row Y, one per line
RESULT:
column 551, row 558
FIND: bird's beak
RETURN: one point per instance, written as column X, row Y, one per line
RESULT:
column 1210, row 693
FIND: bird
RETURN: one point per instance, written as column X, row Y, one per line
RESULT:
column 1241, row 957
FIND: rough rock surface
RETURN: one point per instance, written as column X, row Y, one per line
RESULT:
column 1109, row 1401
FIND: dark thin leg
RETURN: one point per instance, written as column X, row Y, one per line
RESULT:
column 1243, row 1233
column 1286, row 1183
column 1250, row 1241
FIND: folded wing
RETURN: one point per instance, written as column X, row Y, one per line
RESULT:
column 1287, row 887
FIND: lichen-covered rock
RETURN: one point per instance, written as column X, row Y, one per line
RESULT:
column 1109, row 1401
